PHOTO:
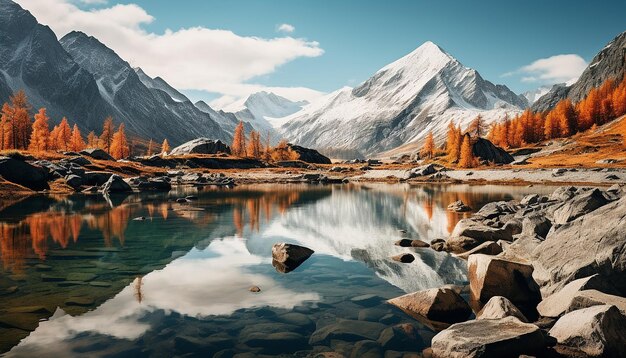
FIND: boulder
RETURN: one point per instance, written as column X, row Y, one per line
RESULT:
column 580, row 205
column 24, row 174
column 96, row 153
column 74, row 181
column 485, row 150
column 491, row 276
column 487, row 248
column 505, row 337
column 116, row 184
column 401, row 337
column 96, row 178
column 477, row 232
column 436, row 307
column 79, row 160
column 424, row 170
column 347, row 330
column 287, row 257
column 588, row 298
column 309, row 155
column 459, row 206
column 201, row 146
column 404, row 258
column 595, row 243
column 499, row 307
column 530, row 199
column 411, row 243
column 158, row 161
column 159, row 184
column 536, row 225
column 561, row 301
column 596, row 331
column 497, row 208
column 366, row 349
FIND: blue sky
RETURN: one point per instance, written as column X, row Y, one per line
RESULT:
column 358, row 37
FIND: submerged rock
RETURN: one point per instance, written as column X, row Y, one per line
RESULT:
column 505, row 337
column 442, row 306
column 597, row 331
column 459, row 206
column 287, row 257
column 347, row 330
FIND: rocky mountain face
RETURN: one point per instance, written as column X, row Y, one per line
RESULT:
column 610, row 62
column 155, row 111
column 33, row 60
column 399, row 104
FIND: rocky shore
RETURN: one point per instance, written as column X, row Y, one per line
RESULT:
column 554, row 285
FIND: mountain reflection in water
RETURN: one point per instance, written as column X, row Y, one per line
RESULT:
column 83, row 264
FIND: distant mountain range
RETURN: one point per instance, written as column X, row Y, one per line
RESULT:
column 80, row 78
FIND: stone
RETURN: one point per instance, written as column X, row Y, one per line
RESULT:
column 24, row 174
column 287, row 257
column 588, row 298
column 536, row 225
column 96, row 178
column 595, row 243
column 155, row 185
column 255, row 289
column 491, row 276
column 499, row 307
column 201, row 146
column 459, row 206
column 276, row 343
column 309, row 155
column 505, row 337
column 80, row 160
column 438, row 244
column 442, row 306
column 495, row 209
column 580, row 205
column 487, row 248
column 597, row 331
column 74, row 181
column 479, row 231
column 372, row 314
column 366, row 349
column 297, row 319
column 424, row 170
column 485, row 150
column 411, row 243
column 400, row 337
column 116, row 184
column 346, row 330
column 368, row 300
column 404, row 258
column 96, row 153
column 530, row 199
column 561, row 301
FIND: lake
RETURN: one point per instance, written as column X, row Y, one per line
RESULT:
column 143, row 275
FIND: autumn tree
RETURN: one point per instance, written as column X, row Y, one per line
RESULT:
column 165, row 147
column 92, row 140
column 283, row 151
column 476, row 127
column 467, row 160
column 428, row 149
column 53, row 143
column 16, row 122
column 267, row 150
column 589, row 110
column 106, row 138
column 40, row 133
column 453, row 142
column 254, row 148
column 618, row 99
column 64, row 136
column 119, row 144
column 239, row 141
column 5, row 117
column 76, row 143
column 150, row 149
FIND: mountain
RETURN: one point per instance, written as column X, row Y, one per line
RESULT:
column 158, row 111
column 260, row 108
column 533, row 95
column 399, row 104
column 610, row 62
column 33, row 60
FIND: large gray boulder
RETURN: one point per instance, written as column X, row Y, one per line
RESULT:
column 500, row 307
column 579, row 206
column 561, row 301
column 594, row 243
column 24, row 174
column 116, row 184
column 201, row 146
column 469, row 233
column 309, row 155
column 96, row 153
column 536, row 225
column 287, row 257
column 589, row 298
column 442, row 306
column 596, row 331
column 486, row 150
column 505, row 337
column 491, row 276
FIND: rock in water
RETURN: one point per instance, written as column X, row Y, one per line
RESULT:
column 459, row 206
column 597, row 331
column 287, row 257
column 491, row 276
column 411, row 243
column 499, row 307
column 22, row 173
column 201, row 146
column 116, row 184
column 404, row 258
column 487, row 248
column 505, row 337
column 436, row 307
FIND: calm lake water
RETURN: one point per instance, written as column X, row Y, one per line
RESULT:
column 80, row 276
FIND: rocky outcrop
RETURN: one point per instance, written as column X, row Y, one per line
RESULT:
column 589, row 298
column 485, row 150
column 116, row 184
column 287, row 257
column 505, row 337
column 579, row 206
column 500, row 307
column 96, row 153
column 487, row 248
column 310, row 155
column 596, row 331
column 561, row 301
column 19, row 172
column 491, row 276
column 436, row 307
column 201, row 146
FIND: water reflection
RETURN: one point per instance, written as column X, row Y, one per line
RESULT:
column 198, row 259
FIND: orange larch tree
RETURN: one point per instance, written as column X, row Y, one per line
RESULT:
column 150, row 149
column 239, row 141
column 40, row 133
column 119, row 145
column 467, row 159
column 64, row 136
column 92, row 140
column 53, row 142
column 106, row 138
column 428, row 149
column 76, row 143
column 254, row 148
column 165, row 147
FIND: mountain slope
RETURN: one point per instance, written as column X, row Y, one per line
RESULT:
column 610, row 62
column 148, row 112
column 32, row 59
column 399, row 104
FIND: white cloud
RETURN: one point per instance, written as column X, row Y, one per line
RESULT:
column 554, row 69
column 286, row 28
column 92, row 2
column 197, row 58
